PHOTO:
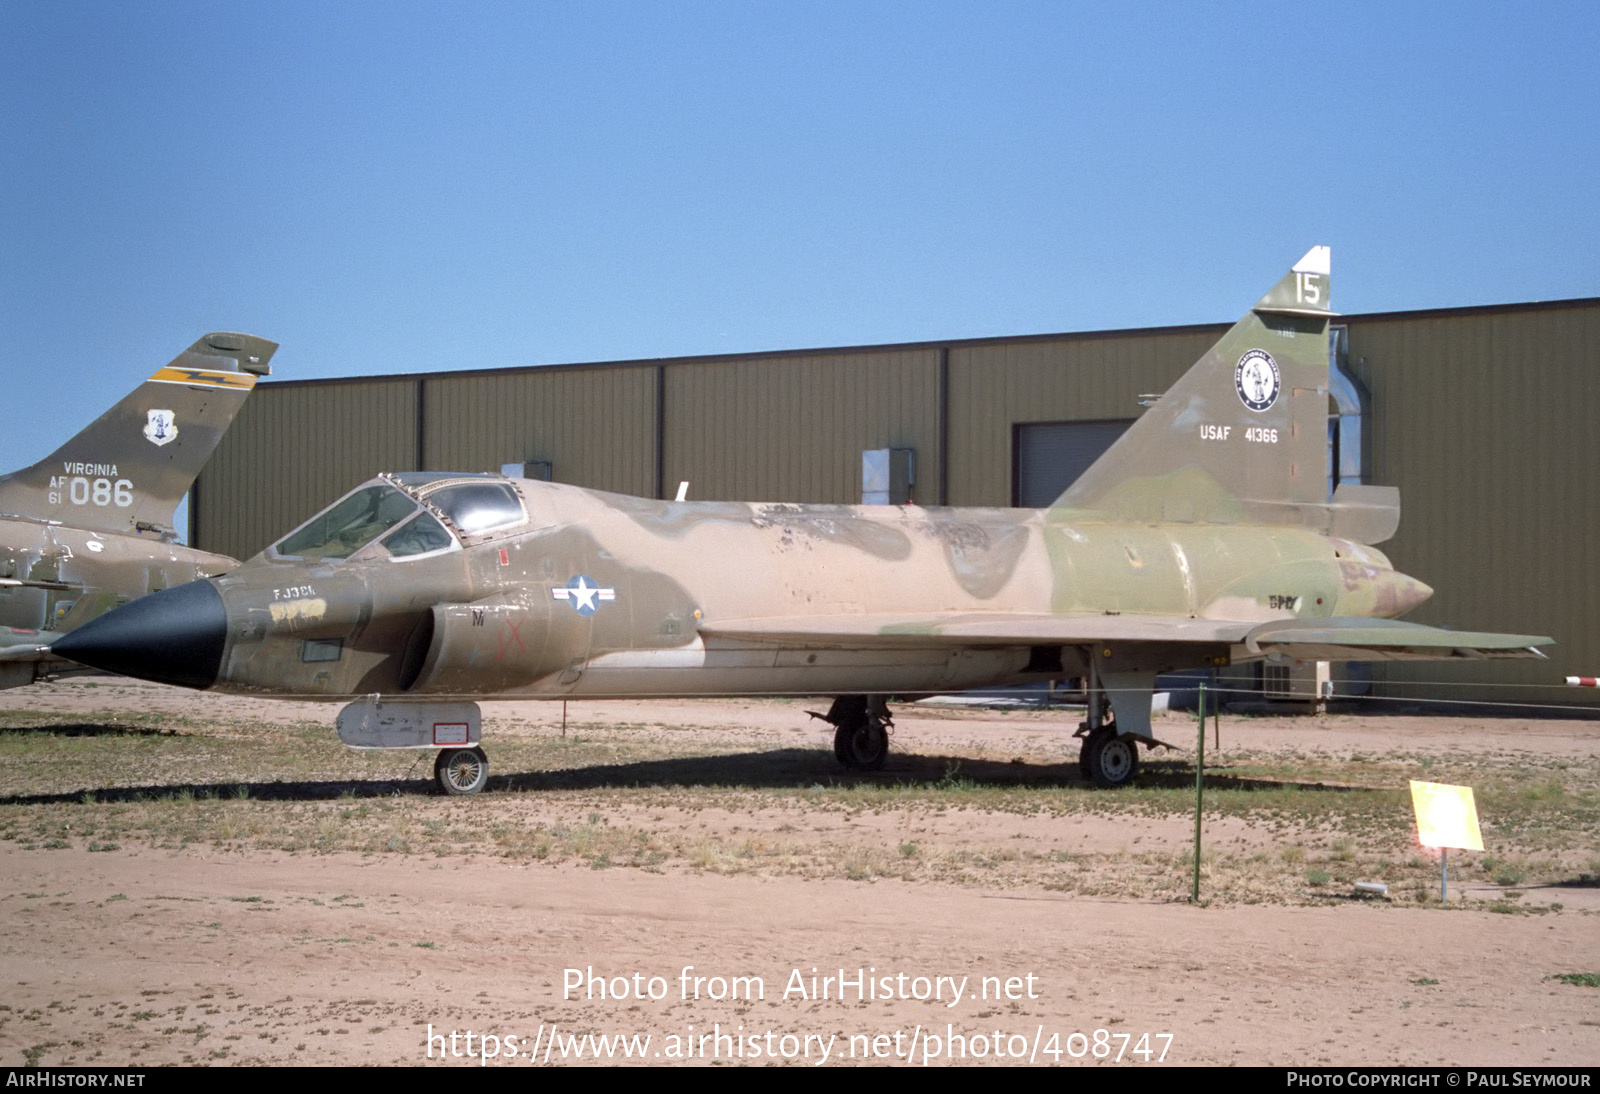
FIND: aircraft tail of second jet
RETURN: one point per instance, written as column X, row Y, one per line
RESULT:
column 128, row 470
column 1243, row 435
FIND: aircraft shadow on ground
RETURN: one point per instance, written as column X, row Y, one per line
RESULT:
column 795, row 768
column 92, row 729
column 780, row 769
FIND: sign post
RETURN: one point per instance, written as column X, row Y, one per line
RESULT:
column 1447, row 817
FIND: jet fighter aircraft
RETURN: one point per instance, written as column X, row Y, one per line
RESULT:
column 1205, row 536
column 90, row 527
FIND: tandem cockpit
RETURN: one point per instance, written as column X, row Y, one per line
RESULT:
column 406, row 515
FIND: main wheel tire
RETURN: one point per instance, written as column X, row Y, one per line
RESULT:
column 1111, row 760
column 461, row 771
column 863, row 745
column 841, row 745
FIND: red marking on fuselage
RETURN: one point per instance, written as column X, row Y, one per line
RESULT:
column 512, row 629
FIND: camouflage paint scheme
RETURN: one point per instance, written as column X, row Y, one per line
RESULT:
column 1204, row 536
column 89, row 527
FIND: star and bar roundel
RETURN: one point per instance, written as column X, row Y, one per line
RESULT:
column 583, row 594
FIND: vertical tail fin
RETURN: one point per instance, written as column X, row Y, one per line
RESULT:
column 128, row 471
column 1243, row 435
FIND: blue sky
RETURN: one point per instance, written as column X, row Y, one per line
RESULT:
column 395, row 187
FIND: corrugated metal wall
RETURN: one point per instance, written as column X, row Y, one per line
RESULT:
column 1483, row 417
column 793, row 428
column 292, row 450
column 1487, row 423
column 993, row 386
column 595, row 426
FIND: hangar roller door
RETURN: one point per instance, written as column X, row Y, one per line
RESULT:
column 1048, row 457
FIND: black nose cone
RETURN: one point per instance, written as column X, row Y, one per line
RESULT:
column 173, row 637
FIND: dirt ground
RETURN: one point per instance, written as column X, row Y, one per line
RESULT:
column 183, row 882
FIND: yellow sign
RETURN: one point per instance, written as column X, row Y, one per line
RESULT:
column 1446, row 816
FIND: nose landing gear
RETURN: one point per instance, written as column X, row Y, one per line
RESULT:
column 461, row 771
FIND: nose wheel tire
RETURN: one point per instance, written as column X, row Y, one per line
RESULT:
column 1108, row 760
column 461, row 770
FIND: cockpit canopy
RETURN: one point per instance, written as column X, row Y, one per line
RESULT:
column 410, row 513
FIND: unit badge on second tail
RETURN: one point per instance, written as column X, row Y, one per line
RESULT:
column 160, row 427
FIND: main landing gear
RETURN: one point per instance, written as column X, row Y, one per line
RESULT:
column 861, row 730
column 461, row 770
column 1109, row 757
column 1106, row 759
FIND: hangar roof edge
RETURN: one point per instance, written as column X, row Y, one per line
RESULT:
column 930, row 344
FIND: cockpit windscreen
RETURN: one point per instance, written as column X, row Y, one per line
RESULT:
column 348, row 525
column 417, row 537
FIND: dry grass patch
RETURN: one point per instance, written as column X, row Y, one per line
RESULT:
column 1283, row 825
